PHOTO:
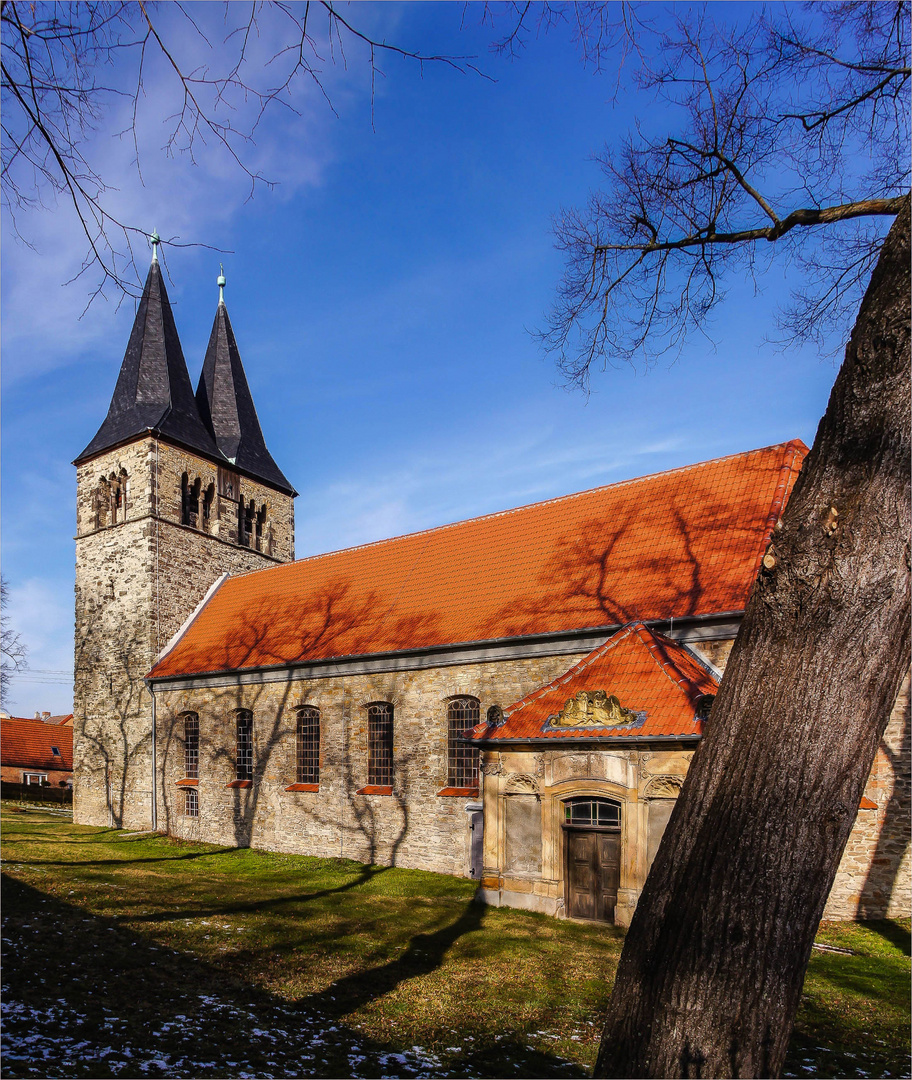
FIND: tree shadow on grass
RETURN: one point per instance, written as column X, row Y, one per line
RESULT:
column 88, row 997
column 894, row 932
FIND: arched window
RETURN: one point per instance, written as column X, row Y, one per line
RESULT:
column 189, row 504
column 380, row 744
column 196, row 504
column 587, row 812
column 208, row 500
column 191, row 746
column 462, row 760
column 308, row 748
column 119, row 496
column 244, row 745
column 109, row 499
column 246, row 522
column 259, row 523
column 101, row 503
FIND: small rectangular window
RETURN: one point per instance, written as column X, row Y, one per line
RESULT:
column 55, row 750
column 191, row 802
column 34, row 778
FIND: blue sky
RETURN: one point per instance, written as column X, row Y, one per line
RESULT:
column 382, row 295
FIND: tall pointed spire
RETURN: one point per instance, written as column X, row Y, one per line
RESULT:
column 226, row 406
column 153, row 392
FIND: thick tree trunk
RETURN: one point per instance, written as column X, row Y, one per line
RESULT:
column 712, row 968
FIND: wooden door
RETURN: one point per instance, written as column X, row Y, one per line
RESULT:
column 593, row 874
column 609, row 867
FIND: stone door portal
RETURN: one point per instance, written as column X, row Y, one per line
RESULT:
column 593, row 858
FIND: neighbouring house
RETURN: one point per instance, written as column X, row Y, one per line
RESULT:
column 35, row 754
column 60, row 718
column 514, row 698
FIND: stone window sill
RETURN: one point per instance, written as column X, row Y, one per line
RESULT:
column 187, row 782
column 240, row 783
column 375, row 789
column 303, row 787
column 461, row 792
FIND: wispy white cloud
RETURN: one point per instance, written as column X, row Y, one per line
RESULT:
column 481, row 476
column 189, row 197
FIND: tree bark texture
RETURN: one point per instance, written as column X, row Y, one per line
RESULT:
column 712, row 969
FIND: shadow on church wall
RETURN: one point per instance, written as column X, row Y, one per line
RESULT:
column 371, row 827
column 893, row 836
column 114, row 739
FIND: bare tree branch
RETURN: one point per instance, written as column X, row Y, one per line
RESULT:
column 804, row 119
column 53, row 101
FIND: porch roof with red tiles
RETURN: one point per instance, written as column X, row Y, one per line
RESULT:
column 681, row 543
column 28, row 744
column 651, row 675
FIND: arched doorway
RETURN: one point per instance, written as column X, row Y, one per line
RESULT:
column 592, row 850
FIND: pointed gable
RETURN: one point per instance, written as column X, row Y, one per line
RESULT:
column 657, row 681
column 678, row 544
column 153, row 392
column 226, row 407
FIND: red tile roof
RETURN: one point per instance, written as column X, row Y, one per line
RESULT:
column 27, row 744
column 678, row 543
column 649, row 674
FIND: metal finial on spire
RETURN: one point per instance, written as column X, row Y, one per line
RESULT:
column 221, row 284
column 155, row 240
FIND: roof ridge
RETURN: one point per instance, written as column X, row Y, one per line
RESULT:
column 793, row 443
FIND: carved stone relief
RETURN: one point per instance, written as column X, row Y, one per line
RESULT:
column 521, row 784
column 663, row 787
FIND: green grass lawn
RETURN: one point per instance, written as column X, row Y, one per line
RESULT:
column 137, row 955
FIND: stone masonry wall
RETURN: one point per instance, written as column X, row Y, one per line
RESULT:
column 874, row 880
column 414, row 827
column 139, row 574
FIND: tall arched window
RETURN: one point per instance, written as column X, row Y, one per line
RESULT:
column 244, row 745
column 191, row 746
column 380, row 744
column 462, row 760
column 308, row 748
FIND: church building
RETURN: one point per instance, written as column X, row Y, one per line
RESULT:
column 513, row 698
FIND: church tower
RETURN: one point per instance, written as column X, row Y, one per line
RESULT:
column 174, row 490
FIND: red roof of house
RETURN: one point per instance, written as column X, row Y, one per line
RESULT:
column 674, row 544
column 651, row 675
column 27, row 744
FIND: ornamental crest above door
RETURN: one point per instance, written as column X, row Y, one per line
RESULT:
column 593, row 708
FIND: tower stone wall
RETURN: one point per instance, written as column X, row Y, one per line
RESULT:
column 144, row 560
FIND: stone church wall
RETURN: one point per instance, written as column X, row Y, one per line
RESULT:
column 874, row 880
column 414, row 827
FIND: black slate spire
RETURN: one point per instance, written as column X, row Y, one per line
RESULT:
column 153, row 392
column 226, row 406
